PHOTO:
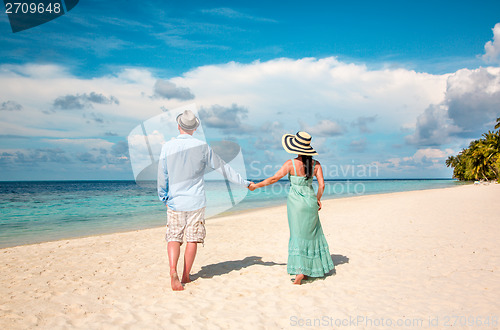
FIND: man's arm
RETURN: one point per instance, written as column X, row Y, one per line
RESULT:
column 218, row 164
column 162, row 182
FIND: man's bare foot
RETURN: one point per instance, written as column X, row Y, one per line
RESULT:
column 185, row 279
column 175, row 283
column 298, row 279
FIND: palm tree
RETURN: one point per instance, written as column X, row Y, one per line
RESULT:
column 459, row 166
column 492, row 152
column 481, row 160
column 451, row 161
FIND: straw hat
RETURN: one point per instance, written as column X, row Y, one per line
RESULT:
column 187, row 120
column 299, row 144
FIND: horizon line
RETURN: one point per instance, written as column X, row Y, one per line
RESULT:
column 221, row 180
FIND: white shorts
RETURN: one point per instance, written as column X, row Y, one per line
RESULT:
column 190, row 222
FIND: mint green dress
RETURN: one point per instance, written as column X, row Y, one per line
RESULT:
column 308, row 251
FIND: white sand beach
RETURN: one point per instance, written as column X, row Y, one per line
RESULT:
column 419, row 259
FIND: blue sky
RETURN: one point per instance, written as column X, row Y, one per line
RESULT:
column 391, row 84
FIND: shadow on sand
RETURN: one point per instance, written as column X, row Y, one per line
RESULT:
column 226, row 267
column 337, row 259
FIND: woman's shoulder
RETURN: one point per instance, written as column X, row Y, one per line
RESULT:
column 288, row 163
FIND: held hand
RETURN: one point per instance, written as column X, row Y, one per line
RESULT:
column 319, row 205
column 252, row 186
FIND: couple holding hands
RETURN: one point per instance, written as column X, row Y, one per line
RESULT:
column 181, row 168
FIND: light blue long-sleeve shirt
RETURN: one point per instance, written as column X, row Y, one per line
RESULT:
column 181, row 167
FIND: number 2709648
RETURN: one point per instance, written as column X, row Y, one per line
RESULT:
column 32, row 8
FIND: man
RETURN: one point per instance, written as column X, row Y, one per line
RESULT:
column 181, row 167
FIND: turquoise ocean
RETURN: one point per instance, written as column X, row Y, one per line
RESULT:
column 33, row 212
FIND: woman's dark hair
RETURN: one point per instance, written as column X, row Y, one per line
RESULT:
column 308, row 168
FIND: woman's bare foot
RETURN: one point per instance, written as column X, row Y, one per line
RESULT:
column 175, row 283
column 299, row 278
column 185, row 279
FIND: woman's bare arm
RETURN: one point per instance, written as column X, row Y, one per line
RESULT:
column 318, row 172
column 284, row 170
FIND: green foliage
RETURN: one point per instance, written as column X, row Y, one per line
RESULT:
column 481, row 160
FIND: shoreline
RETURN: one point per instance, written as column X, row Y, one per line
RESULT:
column 230, row 214
column 340, row 196
column 398, row 256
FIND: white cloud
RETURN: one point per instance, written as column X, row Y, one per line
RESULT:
column 298, row 89
column 324, row 96
column 37, row 86
column 321, row 145
column 270, row 156
column 362, row 123
column 233, row 14
column 169, row 90
column 492, row 48
column 10, row 106
column 422, row 159
column 471, row 103
column 140, row 148
column 87, row 143
column 83, row 101
column 358, row 145
column 67, row 151
column 324, row 127
column 271, row 137
column 473, row 98
column 229, row 119
column 433, row 127
column 30, row 157
column 306, row 87
column 36, row 71
column 431, row 155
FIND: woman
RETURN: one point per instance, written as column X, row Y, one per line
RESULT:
column 308, row 253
